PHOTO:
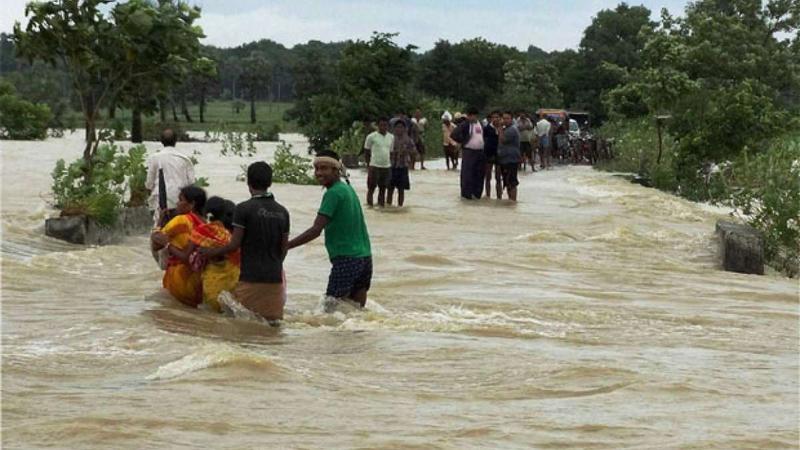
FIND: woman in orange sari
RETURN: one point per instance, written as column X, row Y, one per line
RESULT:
column 179, row 279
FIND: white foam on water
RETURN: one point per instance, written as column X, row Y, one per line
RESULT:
column 210, row 356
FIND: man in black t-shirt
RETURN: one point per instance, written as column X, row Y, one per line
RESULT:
column 261, row 230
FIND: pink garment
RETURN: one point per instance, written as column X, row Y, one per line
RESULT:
column 476, row 139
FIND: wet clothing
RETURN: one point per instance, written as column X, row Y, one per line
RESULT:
column 265, row 223
column 179, row 279
column 346, row 232
column 490, row 143
column 508, row 150
column 380, row 146
column 265, row 299
column 508, row 173
column 473, row 169
column 379, row 177
column 402, row 149
column 348, row 276
column 400, row 179
column 217, row 275
column 178, row 173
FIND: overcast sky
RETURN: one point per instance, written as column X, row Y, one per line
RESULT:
column 550, row 25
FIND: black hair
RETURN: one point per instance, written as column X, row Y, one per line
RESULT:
column 259, row 176
column 195, row 195
column 383, row 119
column 496, row 111
column 509, row 113
column 400, row 123
column 472, row 110
column 215, row 208
column 168, row 138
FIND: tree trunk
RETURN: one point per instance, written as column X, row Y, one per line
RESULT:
column 202, row 105
column 136, row 126
column 112, row 111
column 185, row 110
column 174, row 112
column 162, row 108
column 252, row 109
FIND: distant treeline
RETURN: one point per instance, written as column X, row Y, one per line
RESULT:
column 472, row 72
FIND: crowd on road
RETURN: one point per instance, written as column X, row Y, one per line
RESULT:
column 207, row 246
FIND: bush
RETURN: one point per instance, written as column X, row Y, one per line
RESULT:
column 765, row 191
column 21, row 119
column 99, row 191
column 290, row 168
column 352, row 140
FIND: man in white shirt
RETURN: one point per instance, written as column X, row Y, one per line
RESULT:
column 178, row 172
column 542, row 130
column 379, row 172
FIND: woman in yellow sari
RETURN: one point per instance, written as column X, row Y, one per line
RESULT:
column 179, row 279
column 220, row 273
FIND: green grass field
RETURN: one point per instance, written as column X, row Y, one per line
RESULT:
column 217, row 112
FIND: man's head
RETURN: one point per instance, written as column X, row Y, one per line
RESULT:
column 399, row 128
column 383, row 125
column 327, row 167
column 168, row 138
column 259, row 177
column 472, row 114
column 508, row 118
column 418, row 114
column 494, row 118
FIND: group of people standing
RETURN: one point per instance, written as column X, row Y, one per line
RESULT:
column 390, row 152
column 207, row 246
column 496, row 148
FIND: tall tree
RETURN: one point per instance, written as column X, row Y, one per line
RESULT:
column 105, row 53
column 255, row 79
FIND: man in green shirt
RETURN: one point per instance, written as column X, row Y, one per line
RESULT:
column 346, row 237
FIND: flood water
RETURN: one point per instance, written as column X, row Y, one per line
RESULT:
column 590, row 315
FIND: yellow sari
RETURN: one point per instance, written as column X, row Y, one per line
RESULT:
column 219, row 275
column 179, row 279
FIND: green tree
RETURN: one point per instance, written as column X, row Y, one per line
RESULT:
column 21, row 119
column 529, row 85
column 373, row 78
column 104, row 53
column 255, row 79
column 471, row 71
column 610, row 47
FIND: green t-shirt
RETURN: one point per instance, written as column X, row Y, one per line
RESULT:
column 346, row 231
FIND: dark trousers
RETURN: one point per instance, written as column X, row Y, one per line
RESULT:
column 473, row 170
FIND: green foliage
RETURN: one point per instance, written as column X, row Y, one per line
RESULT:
column 374, row 79
column 237, row 144
column 352, row 140
column 528, row 86
column 21, row 119
column 471, row 71
column 98, row 188
column 290, row 168
column 125, row 53
column 765, row 190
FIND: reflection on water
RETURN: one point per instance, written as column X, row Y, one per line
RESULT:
column 591, row 314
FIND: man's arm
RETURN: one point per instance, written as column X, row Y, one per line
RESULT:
column 235, row 243
column 311, row 233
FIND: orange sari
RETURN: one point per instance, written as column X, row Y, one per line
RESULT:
column 179, row 279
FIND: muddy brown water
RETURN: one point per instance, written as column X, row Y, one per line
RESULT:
column 590, row 315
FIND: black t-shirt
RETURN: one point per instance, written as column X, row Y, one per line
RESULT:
column 265, row 222
column 490, row 141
